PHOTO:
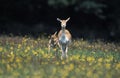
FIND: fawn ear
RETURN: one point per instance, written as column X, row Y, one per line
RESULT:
column 68, row 19
column 58, row 19
column 55, row 33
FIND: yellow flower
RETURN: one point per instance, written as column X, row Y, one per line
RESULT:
column 83, row 56
column 24, row 40
column 93, row 52
column 100, row 59
column 42, row 52
column 107, row 66
column 12, row 53
column 89, row 74
column 71, row 58
column 45, row 56
column 11, row 48
column 28, row 48
column 19, row 45
column 11, row 56
column 77, row 70
column 36, row 42
column 18, row 60
column 1, row 49
column 109, row 59
column 117, row 66
column 35, row 53
column 9, row 68
column 90, row 59
column 63, row 62
column 71, row 67
column 54, row 49
column 106, row 50
column 57, row 63
column 89, row 46
column 1, row 71
column 15, row 74
column 76, row 57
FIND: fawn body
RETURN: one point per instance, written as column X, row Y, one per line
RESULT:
column 64, row 38
column 53, row 42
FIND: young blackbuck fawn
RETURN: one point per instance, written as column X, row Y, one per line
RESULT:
column 64, row 38
column 53, row 42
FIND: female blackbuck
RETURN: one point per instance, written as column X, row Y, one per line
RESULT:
column 53, row 42
column 64, row 38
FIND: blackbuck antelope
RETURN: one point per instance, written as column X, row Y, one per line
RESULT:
column 53, row 42
column 64, row 38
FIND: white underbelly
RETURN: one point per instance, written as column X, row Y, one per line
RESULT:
column 63, row 39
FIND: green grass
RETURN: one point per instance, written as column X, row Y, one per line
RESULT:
column 25, row 57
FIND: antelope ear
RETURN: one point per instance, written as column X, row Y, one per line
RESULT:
column 55, row 33
column 68, row 19
column 58, row 19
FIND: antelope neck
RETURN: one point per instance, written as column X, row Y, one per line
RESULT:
column 63, row 29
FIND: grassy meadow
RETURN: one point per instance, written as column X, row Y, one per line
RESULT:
column 27, row 57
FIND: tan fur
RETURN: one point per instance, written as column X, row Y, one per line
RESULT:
column 67, row 33
column 64, row 38
column 53, row 41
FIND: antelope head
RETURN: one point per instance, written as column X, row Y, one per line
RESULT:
column 63, row 22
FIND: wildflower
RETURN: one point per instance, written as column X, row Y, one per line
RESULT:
column 63, row 62
column 36, row 42
column 76, row 57
column 45, row 56
column 11, row 56
column 1, row 49
column 117, row 66
column 71, row 67
column 18, row 59
column 11, row 48
column 89, row 46
column 90, row 59
column 9, row 68
column 15, row 74
column 100, row 59
column 83, row 56
column 54, row 49
column 71, row 58
column 77, row 70
column 93, row 52
column 42, row 52
column 89, row 73
column 11, row 53
column 35, row 53
column 57, row 63
column 1, row 72
column 106, row 50
column 109, row 59
column 28, row 48
column 107, row 66
column 19, row 45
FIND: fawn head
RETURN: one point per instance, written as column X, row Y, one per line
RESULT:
column 63, row 22
column 54, row 36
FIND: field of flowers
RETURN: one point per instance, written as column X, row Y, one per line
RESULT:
column 26, row 57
